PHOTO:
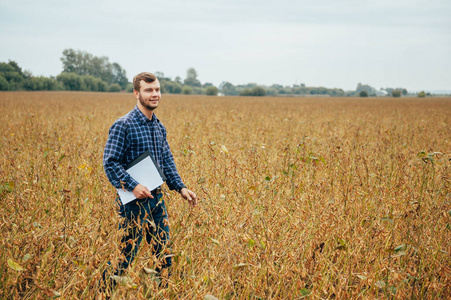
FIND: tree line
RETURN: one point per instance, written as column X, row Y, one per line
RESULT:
column 191, row 85
column 83, row 71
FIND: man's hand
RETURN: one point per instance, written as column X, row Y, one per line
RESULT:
column 141, row 192
column 189, row 195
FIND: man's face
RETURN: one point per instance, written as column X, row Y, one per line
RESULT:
column 149, row 94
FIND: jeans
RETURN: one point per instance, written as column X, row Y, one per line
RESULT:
column 143, row 217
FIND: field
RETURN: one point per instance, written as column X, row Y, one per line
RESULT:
column 318, row 198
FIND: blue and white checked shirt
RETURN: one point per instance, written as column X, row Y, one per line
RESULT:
column 129, row 137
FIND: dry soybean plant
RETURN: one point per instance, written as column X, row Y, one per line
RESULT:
column 324, row 198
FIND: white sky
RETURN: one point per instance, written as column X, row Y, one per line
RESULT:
column 330, row 43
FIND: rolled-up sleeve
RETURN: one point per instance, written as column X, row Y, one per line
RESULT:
column 113, row 155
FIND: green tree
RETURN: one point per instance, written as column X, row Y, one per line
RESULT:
column 228, row 89
column 422, row 94
column 71, row 82
column 33, row 84
column 114, row 88
column 363, row 94
column 257, row 91
column 13, row 78
column 191, row 78
column 77, row 62
column 401, row 90
column 16, row 68
column 197, row 90
column 3, row 83
column 102, row 86
column 271, row 91
column 13, row 75
column 83, row 63
column 171, row 87
column 100, row 67
column 187, row 90
column 91, row 83
column 119, row 75
column 396, row 93
column 211, row 91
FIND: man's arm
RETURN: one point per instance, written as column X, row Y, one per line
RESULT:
column 173, row 179
column 113, row 154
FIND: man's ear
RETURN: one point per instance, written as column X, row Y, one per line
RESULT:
column 135, row 92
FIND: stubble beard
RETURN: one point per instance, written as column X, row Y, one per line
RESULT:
column 146, row 105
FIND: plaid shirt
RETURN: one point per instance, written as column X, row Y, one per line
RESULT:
column 129, row 137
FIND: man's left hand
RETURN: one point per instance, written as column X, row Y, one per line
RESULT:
column 189, row 195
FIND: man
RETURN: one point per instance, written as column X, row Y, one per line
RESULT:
column 130, row 136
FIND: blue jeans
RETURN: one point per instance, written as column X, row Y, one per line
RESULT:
column 144, row 217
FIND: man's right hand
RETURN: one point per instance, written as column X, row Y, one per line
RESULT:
column 141, row 192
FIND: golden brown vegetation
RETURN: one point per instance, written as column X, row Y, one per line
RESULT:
column 328, row 198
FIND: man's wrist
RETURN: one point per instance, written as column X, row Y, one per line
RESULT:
column 132, row 185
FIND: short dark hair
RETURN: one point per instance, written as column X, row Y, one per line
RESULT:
column 146, row 76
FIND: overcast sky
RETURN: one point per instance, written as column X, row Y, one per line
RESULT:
column 330, row 43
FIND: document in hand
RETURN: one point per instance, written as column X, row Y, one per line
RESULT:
column 145, row 171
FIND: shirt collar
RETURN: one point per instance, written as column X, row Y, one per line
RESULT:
column 142, row 117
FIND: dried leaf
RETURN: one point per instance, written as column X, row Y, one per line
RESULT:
column 26, row 257
column 214, row 241
column 224, row 149
column 150, row 271
column 400, row 247
column 56, row 294
column 240, row 266
column 13, row 265
column 122, row 280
